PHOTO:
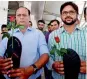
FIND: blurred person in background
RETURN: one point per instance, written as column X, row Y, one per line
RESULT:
column 30, row 23
column 4, row 28
column 54, row 24
column 41, row 25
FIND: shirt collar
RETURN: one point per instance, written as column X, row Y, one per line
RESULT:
column 18, row 30
column 76, row 28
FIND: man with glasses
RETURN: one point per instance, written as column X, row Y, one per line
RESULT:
column 70, row 36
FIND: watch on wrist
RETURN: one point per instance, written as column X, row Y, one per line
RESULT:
column 35, row 68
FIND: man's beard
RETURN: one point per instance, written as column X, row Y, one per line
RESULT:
column 71, row 23
column 40, row 28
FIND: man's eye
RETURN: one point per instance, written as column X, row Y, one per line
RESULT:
column 24, row 15
column 18, row 15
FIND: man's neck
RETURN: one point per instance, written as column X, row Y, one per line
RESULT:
column 69, row 28
column 24, row 30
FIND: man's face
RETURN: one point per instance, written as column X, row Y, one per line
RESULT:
column 41, row 25
column 54, row 26
column 22, row 17
column 69, row 15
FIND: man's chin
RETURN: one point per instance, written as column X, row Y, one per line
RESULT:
column 69, row 23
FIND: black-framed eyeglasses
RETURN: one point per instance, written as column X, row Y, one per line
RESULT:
column 70, row 12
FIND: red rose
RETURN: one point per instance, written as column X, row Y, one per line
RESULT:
column 12, row 18
column 57, row 39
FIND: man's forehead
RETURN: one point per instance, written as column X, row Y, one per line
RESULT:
column 40, row 23
column 69, row 8
column 54, row 22
column 21, row 9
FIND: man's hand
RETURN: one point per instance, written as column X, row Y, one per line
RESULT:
column 21, row 73
column 58, row 67
column 83, row 67
column 5, row 64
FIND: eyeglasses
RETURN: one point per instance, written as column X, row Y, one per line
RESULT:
column 70, row 12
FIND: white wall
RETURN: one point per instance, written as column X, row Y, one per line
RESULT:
column 3, row 12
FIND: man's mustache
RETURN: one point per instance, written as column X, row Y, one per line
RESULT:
column 69, row 17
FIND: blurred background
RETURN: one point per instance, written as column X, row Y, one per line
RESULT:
column 46, row 10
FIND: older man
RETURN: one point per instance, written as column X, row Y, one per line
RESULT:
column 34, row 50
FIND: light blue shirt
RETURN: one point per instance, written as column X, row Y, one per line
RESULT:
column 76, row 40
column 33, row 46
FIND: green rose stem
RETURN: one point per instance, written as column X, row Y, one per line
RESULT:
column 12, row 36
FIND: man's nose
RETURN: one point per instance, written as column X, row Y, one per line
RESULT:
column 21, row 17
column 68, row 14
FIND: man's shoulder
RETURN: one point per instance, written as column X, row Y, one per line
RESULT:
column 36, row 31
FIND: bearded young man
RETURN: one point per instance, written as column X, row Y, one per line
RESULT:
column 70, row 37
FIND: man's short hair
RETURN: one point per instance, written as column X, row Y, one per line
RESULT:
column 25, row 8
column 75, row 7
column 54, row 21
column 42, row 21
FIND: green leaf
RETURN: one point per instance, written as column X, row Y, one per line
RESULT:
column 54, row 46
column 52, row 52
column 9, row 26
column 6, row 35
column 58, row 52
column 63, row 51
column 13, row 24
column 19, row 26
